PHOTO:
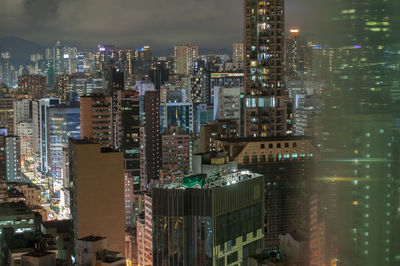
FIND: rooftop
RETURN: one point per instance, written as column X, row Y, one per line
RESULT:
column 266, row 139
column 39, row 253
column 14, row 208
column 92, row 238
column 201, row 181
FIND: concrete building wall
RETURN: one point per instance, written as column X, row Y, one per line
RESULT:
column 98, row 193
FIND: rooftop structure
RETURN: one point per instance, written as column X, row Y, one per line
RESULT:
column 201, row 181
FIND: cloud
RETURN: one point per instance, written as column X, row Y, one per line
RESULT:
column 211, row 23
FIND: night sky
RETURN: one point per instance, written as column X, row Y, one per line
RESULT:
column 131, row 23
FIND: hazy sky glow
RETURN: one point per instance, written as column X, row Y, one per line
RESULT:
column 130, row 23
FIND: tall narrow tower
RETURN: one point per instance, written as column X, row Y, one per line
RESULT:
column 266, row 102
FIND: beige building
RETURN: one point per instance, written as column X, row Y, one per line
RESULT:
column 145, row 235
column 184, row 56
column 237, row 52
column 97, row 200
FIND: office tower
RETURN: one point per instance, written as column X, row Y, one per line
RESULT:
column 361, row 142
column 144, row 234
column 96, row 119
column 266, row 102
column 43, row 128
column 97, row 202
column 216, row 220
column 152, row 135
column 49, row 55
column 176, row 153
column 63, row 123
column 294, row 54
column 33, row 85
column 178, row 114
column 200, row 91
column 127, row 128
column 11, row 158
column 70, row 60
column 58, row 59
column 105, row 57
column 184, row 56
column 237, row 52
column 82, row 63
column 71, row 87
column 7, row 113
column 159, row 73
column 286, row 164
column 142, row 60
column 6, row 69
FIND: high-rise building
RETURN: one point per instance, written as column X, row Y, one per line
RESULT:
column 216, row 220
column 7, row 113
column 178, row 114
column 237, row 52
column 70, row 60
column 144, row 234
column 10, row 158
column 127, row 128
column 294, row 53
column 71, row 87
column 22, row 112
column 43, row 129
column 97, row 119
column 34, row 86
column 227, row 103
column 152, row 135
column 286, row 164
column 58, row 59
column 176, row 151
column 200, row 91
column 142, row 60
column 63, row 123
column 184, row 56
column 97, row 202
column 25, row 134
column 6, row 77
column 266, row 102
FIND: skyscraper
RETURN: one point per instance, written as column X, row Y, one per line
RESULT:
column 33, row 85
column 96, row 119
column 184, row 57
column 7, row 113
column 6, row 69
column 266, row 102
column 216, row 220
column 10, row 158
column 237, row 52
column 97, row 202
column 152, row 135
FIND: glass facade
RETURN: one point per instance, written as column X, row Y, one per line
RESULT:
column 64, row 123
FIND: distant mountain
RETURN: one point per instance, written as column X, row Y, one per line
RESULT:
column 220, row 51
column 19, row 49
